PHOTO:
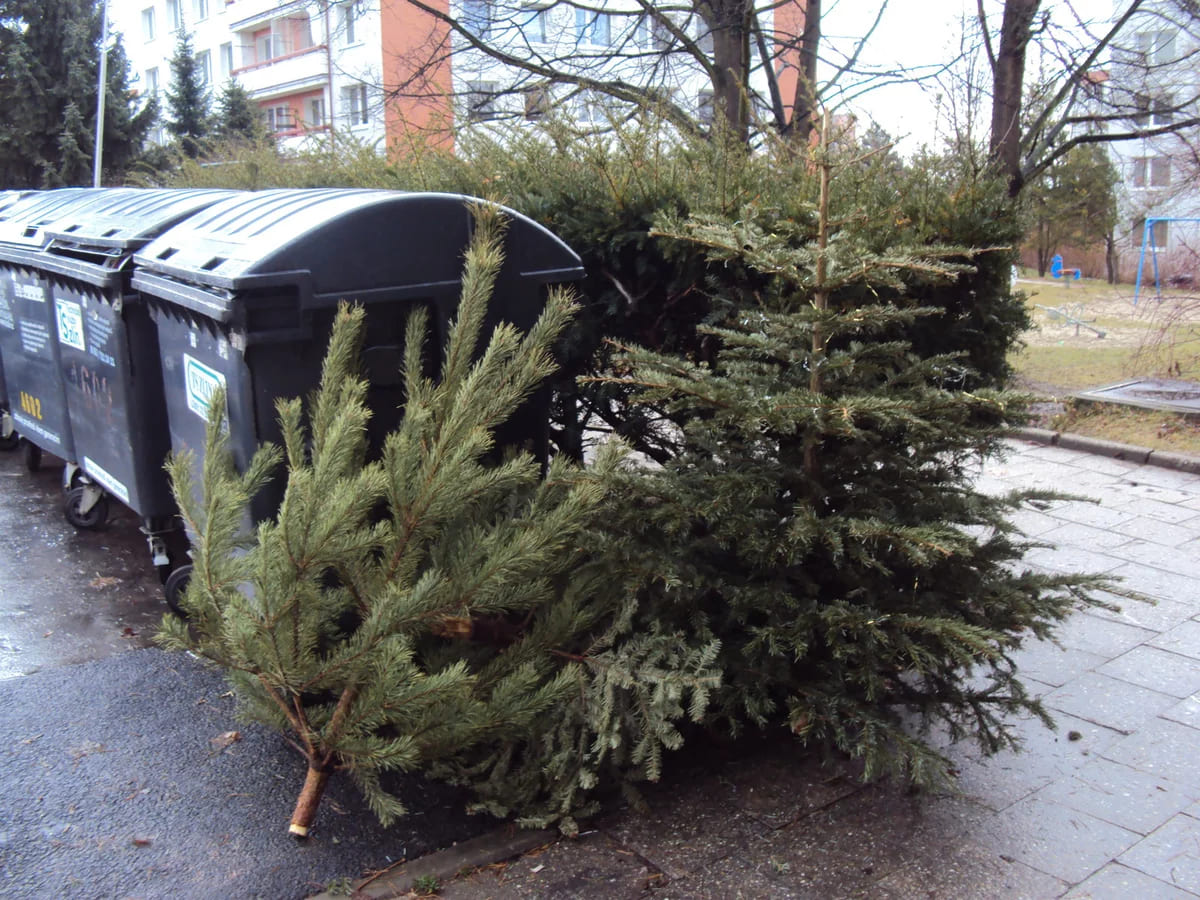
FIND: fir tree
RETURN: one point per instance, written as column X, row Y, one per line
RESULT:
column 189, row 118
column 819, row 520
column 470, row 630
column 239, row 118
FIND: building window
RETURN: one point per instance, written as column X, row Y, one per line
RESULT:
column 704, row 107
column 347, row 17
column 533, row 24
column 1162, row 111
column 1160, row 171
column 279, row 118
column 354, row 102
column 589, row 108
column 151, row 78
column 1155, row 48
column 1137, row 171
column 200, row 9
column 1158, row 238
column 226, row 60
column 148, row 31
column 481, row 101
column 204, row 66
column 704, row 37
column 1141, row 106
column 173, row 20
column 537, row 102
column 592, row 28
column 316, row 112
column 477, row 17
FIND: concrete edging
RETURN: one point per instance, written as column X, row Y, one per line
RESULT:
column 1166, row 459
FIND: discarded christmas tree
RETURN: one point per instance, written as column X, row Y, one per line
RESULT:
column 426, row 610
column 818, row 517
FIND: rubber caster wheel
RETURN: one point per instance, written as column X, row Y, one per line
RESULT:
column 32, row 456
column 174, row 587
column 10, row 442
column 73, row 509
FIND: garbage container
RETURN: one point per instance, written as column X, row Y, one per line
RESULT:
column 244, row 296
column 33, row 390
column 108, row 356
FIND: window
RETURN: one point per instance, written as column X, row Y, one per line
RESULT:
column 151, row 78
column 148, row 23
column 354, row 102
column 204, row 66
column 173, row 20
column 481, row 101
column 704, row 37
column 1141, row 105
column 1158, row 238
column 279, row 118
column 1137, row 173
column 537, row 102
column 1161, row 109
column 477, row 17
column 226, row 60
column 704, row 107
column 660, row 34
column 1160, row 171
column 594, row 29
column 589, row 107
column 347, row 16
column 1155, row 48
column 533, row 24
column 200, row 9
column 316, row 112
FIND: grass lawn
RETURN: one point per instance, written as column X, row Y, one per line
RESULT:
column 1151, row 340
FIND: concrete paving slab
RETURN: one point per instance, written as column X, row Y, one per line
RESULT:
column 1104, row 637
column 1186, row 711
column 1160, row 670
column 1155, row 531
column 1161, row 615
column 967, row 872
column 1183, row 639
column 1052, row 663
column 1118, row 794
column 1118, row 882
column 1163, row 748
column 1072, row 534
column 1071, row 559
column 1159, row 556
column 1057, row 840
column 1090, row 514
column 1109, row 701
column 1155, row 583
column 1171, row 854
column 1133, row 503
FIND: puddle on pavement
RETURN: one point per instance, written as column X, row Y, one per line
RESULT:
column 68, row 596
column 1150, row 393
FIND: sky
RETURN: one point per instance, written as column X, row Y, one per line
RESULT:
column 918, row 33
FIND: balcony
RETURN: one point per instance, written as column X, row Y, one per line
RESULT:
column 286, row 74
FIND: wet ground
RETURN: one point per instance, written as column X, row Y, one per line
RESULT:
column 67, row 596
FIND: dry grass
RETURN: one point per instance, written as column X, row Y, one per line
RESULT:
column 1154, row 339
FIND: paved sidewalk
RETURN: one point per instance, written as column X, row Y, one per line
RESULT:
column 1108, row 806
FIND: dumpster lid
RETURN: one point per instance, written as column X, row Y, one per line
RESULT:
column 342, row 241
column 23, row 224
column 129, row 218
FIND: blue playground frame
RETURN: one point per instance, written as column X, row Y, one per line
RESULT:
column 1147, row 232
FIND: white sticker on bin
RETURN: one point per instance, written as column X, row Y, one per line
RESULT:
column 111, row 484
column 70, row 323
column 201, row 383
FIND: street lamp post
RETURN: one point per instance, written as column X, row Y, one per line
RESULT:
column 98, row 153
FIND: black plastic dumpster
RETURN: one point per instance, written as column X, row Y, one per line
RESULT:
column 244, row 295
column 36, row 402
column 108, row 353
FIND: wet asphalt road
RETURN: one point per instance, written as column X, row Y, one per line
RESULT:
column 117, row 778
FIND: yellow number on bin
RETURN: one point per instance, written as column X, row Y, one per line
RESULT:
column 31, row 405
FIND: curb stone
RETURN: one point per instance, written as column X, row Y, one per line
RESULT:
column 1166, row 459
column 496, row 846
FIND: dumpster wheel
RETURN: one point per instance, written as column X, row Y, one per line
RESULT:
column 174, row 587
column 73, row 509
column 10, row 441
column 32, row 455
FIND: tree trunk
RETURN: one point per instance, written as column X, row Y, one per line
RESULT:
column 729, row 23
column 1008, row 80
column 804, row 104
column 307, row 803
column 1110, row 258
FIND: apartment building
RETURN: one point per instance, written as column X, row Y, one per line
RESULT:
column 381, row 70
column 1154, row 79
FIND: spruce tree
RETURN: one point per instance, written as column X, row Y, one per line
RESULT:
column 818, row 519
column 238, row 116
column 189, row 117
column 443, row 608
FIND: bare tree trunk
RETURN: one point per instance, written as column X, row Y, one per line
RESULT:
column 729, row 22
column 1008, row 80
column 804, row 105
column 307, row 803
